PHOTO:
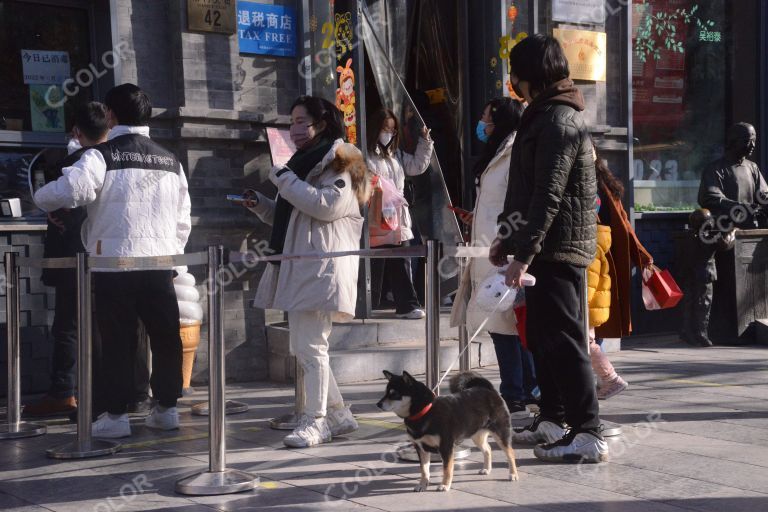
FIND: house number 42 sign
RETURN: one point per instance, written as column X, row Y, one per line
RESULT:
column 212, row 16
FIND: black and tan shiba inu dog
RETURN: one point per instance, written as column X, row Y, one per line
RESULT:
column 474, row 409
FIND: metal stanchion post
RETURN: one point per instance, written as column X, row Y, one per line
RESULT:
column 84, row 446
column 291, row 420
column 218, row 479
column 432, row 299
column 14, row 427
column 465, row 361
column 608, row 428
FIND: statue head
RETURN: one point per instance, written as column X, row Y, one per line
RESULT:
column 699, row 217
column 741, row 140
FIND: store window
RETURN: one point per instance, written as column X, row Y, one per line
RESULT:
column 43, row 44
column 686, row 92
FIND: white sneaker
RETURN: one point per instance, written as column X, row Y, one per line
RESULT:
column 415, row 314
column 574, row 447
column 108, row 427
column 341, row 421
column 163, row 420
column 310, row 432
column 540, row 431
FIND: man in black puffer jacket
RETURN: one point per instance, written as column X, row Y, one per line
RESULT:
column 549, row 226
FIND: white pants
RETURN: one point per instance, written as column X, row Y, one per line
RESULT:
column 309, row 332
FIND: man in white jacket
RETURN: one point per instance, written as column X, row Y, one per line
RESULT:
column 136, row 196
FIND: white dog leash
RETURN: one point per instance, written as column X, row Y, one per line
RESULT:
column 469, row 343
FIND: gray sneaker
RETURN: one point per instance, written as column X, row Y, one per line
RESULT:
column 574, row 447
column 341, row 421
column 310, row 432
column 540, row 431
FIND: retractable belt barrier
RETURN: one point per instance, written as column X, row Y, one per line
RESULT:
column 218, row 479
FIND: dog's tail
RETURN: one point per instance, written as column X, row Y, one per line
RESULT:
column 466, row 380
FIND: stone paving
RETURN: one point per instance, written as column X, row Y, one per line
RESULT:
column 695, row 438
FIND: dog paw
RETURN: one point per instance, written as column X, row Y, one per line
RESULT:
column 420, row 488
column 514, row 477
column 443, row 488
column 484, row 472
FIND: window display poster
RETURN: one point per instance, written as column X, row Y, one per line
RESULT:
column 266, row 29
column 44, row 67
column 281, row 146
column 658, row 86
column 46, row 108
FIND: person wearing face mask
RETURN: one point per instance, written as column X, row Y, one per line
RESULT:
column 388, row 161
column 496, row 129
column 550, row 230
column 320, row 192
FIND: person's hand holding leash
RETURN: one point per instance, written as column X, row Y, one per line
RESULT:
column 515, row 273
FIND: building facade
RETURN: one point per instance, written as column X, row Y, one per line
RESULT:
column 661, row 91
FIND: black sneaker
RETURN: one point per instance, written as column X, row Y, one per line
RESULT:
column 576, row 446
column 541, row 430
column 517, row 410
column 142, row 408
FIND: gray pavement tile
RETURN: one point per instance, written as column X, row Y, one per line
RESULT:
column 707, row 447
column 722, row 504
column 272, row 495
column 10, row 503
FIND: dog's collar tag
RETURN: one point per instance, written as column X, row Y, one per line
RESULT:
column 421, row 413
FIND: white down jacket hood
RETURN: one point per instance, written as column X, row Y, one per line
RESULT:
column 325, row 218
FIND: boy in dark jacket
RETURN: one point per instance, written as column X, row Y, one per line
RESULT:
column 62, row 239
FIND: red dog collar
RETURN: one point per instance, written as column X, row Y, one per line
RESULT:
column 421, row 413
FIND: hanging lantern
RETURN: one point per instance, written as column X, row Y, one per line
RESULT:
column 512, row 13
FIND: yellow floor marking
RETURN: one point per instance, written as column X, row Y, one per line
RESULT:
column 702, row 383
column 268, row 485
column 177, row 439
column 381, row 423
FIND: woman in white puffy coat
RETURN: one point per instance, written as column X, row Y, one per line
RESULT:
column 317, row 210
column 497, row 130
column 387, row 161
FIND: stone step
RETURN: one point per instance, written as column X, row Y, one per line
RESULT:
column 761, row 331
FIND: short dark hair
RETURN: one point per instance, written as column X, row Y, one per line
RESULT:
column 375, row 126
column 539, row 60
column 91, row 119
column 131, row 105
column 321, row 109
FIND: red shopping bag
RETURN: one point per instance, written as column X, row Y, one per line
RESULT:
column 660, row 291
column 520, row 314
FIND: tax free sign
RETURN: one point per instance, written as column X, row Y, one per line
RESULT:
column 265, row 29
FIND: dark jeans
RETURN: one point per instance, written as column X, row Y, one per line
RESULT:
column 518, row 377
column 64, row 332
column 122, row 299
column 398, row 272
column 559, row 345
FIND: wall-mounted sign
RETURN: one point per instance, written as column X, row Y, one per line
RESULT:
column 266, row 29
column 579, row 11
column 44, row 67
column 211, row 16
column 585, row 51
column 281, row 147
column 46, row 108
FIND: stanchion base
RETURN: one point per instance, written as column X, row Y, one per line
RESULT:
column 232, row 407
column 22, row 429
column 610, row 429
column 285, row 422
column 76, row 450
column 212, row 483
column 407, row 453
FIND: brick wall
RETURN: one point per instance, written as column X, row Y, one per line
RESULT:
column 37, row 303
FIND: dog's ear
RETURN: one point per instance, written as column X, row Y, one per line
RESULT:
column 407, row 378
column 388, row 375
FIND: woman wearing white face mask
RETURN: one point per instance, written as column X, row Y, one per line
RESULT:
column 317, row 209
column 387, row 160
